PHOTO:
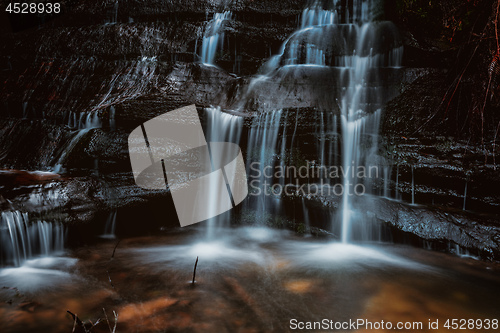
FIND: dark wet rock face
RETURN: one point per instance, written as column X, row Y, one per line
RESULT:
column 133, row 60
column 440, row 132
column 450, row 166
column 30, row 144
column 101, row 69
column 468, row 231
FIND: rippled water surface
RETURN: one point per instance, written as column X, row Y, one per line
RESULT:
column 249, row 279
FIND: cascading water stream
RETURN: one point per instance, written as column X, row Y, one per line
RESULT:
column 327, row 134
column 22, row 240
column 262, row 152
column 220, row 127
column 362, row 102
column 112, row 121
column 110, row 226
column 345, row 39
column 223, row 127
column 86, row 122
column 130, row 80
column 214, row 37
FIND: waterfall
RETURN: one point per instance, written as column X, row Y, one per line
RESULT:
column 332, row 37
column 84, row 123
column 220, row 127
column 327, row 134
column 316, row 15
column 359, row 145
column 358, row 47
column 214, row 37
column 114, row 13
column 223, row 127
column 112, row 121
column 84, row 120
column 131, row 80
column 344, row 39
column 58, row 167
column 110, row 226
column 25, row 110
column 22, row 240
column 262, row 155
column 362, row 102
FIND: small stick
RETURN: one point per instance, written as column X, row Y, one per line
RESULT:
column 114, row 250
column 107, row 319
column 110, row 282
column 194, row 272
column 77, row 321
column 75, row 318
column 74, row 324
column 116, row 321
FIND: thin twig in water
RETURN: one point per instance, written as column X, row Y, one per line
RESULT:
column 194, row 271
column 116, row 321
column 75, row 318
column 74, row 324
column 114, row 250
column 111, row 330
column 107, row 319
column 110, row 282
column 82, row 324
